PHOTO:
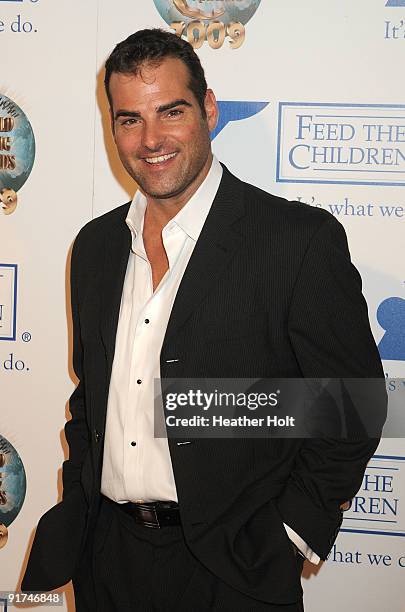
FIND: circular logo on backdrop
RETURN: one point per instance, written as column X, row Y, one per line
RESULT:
column 208, row 20
column 17, row 152
column 12, row 487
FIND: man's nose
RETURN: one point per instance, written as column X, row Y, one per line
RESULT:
column 152, row 136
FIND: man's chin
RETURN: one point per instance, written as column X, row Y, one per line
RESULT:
column 160, row 190
column 159, row 194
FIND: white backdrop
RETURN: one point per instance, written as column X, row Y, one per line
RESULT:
column 311, row 64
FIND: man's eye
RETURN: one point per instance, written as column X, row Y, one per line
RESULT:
column 129, row 122
column 176, row 112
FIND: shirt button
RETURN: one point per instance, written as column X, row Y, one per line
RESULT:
column 146, row 320
column 133, row 443
column 139, row 381
column 97, row 436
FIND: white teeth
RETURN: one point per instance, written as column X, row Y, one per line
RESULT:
column 158, row 160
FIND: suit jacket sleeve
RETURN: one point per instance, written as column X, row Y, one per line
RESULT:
column 76, row 430
column 331, row 337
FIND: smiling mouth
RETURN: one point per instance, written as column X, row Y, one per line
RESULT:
column 159, row 159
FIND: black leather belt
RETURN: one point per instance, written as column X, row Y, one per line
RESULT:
column 156, row 514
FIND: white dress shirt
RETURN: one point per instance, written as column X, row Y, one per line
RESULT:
column 136, row 465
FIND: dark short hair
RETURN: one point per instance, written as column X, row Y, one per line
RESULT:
column 153, row 46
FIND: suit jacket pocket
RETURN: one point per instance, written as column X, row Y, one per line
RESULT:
column 263, row 538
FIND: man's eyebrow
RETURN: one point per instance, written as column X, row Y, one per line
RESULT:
column 169, row 105
column 126, row 113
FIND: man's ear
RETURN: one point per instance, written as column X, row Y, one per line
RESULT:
column 211, row 109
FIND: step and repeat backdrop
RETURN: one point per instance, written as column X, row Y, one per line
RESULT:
column 312, row 108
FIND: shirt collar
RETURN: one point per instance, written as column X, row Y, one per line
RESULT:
column 191, row 217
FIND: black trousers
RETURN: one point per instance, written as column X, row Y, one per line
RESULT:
column 139, row 569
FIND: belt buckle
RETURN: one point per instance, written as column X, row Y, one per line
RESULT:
column 158, row 525
column 144, row 520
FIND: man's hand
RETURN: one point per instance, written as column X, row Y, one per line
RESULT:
column 345, row 506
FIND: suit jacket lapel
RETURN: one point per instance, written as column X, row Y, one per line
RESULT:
column 215, row 247
column 117, row 248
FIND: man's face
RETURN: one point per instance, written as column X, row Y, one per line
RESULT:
column 161, row 136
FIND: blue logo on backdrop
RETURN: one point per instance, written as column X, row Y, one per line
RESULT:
column 235, row 111
column 209, row 20
column 391, row 317
column 17, row 152
column 8, row 301
column 352, row 144
column 395, row 3
column 12, row 487
column 377, row 508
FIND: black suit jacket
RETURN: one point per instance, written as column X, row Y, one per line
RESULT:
column 269, row 291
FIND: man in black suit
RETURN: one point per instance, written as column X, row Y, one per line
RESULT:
column 201, row 275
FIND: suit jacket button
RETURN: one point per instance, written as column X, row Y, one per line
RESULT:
column 97, row 436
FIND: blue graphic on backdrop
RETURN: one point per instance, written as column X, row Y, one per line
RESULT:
column 13, row 485
column 235, row 111
column 391, row 317
column 17, row 152
column 395, row 3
